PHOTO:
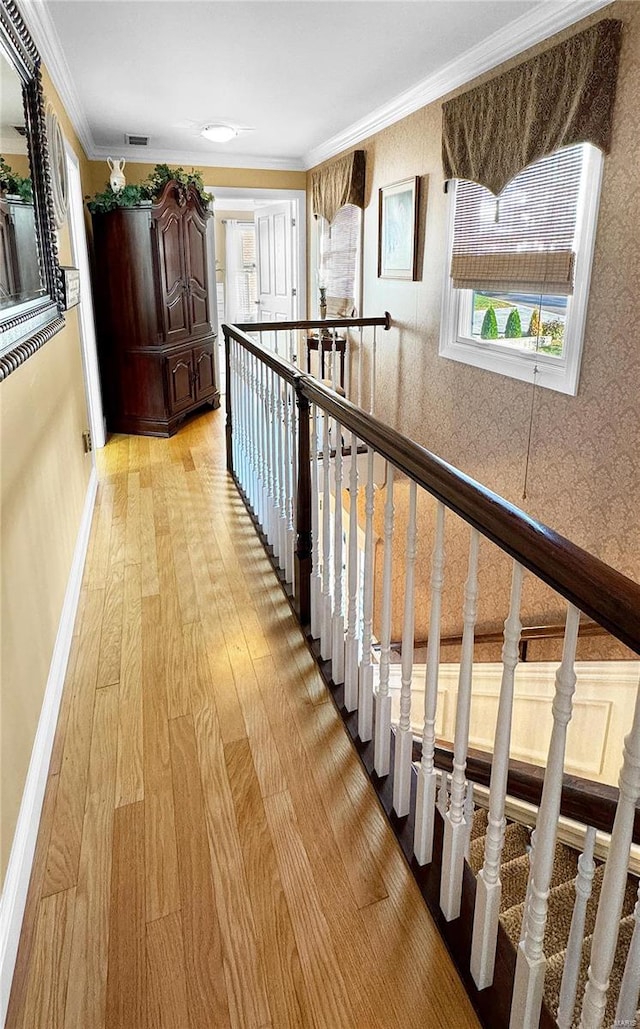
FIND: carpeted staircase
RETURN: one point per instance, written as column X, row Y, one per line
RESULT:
column 514, row 875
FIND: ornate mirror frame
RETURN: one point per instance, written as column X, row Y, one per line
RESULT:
column 27, row 327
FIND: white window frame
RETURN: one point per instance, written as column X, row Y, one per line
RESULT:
column 557, row 373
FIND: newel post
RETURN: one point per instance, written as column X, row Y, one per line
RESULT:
column 302, row 564
column 229, row 423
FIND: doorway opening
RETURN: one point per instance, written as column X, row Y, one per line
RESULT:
column 257, row 258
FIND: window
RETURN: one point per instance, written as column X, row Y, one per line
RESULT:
column 517, row 285
column 339, row 261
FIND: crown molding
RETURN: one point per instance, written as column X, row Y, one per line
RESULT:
column 538, row 24
column 47, row 40
column 205, row 159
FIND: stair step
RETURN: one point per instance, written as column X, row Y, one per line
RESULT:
column 479, row 824
column 516, row 841
column 555, row 968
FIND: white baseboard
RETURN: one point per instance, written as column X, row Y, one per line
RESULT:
column 16, row 883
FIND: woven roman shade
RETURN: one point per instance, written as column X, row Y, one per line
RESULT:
column 525, row 240
column 561, row 97
column 338, row 183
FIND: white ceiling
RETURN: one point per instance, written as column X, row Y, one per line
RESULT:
column 306, row 74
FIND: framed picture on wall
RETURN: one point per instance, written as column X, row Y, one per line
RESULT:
column 398, row 230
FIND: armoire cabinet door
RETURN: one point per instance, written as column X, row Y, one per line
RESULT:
column 204, row 370
column 180, row 381
column 195, row 249
column 173, row 296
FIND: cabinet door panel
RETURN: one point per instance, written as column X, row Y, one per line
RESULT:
column 172, row 274
column 180, row 381
column 195, row 246
column 204, row 370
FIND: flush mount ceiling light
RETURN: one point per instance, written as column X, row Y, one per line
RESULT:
column 219, row 133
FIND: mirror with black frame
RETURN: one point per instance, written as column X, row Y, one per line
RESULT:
column 30, row 288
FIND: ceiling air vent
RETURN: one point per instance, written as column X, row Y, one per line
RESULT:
column 131, row 140
column 21, row 130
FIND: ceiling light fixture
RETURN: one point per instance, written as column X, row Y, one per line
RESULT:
column 219, row 133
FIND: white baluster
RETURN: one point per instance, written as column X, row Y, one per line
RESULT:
column 293, row 482
column 372, row 398
column 382, row 699
column 360, row 365
column 573, row 954
column 605, row 933
column 489, row 885
column 630, row 985
column 337, row 625
column 316, row 579
column 453, row 841
column 365, row 676
column 347, row 364
column 404, row 736
column 325, row 627
column 426, row 794
column 269, row 521
column 531, row 962
column 253, row 431
column 288, row 469
column 284, row 472
column 334, row 378
column 352, row 642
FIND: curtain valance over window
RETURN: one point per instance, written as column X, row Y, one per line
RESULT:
column 337, row 184
column 563, row 96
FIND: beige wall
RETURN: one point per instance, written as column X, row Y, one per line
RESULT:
column 43, row 480
column 584, row 474
column 250, row 178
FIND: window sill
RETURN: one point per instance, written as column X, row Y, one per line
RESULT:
column 549, row 372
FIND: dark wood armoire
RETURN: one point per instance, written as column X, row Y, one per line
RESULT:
column 155, row 342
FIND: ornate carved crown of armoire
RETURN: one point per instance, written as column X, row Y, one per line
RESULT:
column 155, row 341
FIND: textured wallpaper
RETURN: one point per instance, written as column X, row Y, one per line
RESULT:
column 584, row 474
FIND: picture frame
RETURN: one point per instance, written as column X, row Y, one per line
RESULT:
column 398, row 206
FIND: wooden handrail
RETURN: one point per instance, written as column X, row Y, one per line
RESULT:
column 528, row 633
column 584, row 801
column 605, row 595
column 284, row 368
column 316, row 323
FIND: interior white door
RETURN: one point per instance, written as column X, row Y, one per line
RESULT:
column 275, row 227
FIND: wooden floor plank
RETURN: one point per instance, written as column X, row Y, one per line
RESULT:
column 289, row 999
column 167, row 1006
column 66, row 833
column 148, row 554
column 25, row 963
column 132, row 539
column 248, row 1004
column 130, row 780
column 206, row 986
column 111, row 640
column 161, row 860
column 86, row 992
column 46, row 997
column 126, row 978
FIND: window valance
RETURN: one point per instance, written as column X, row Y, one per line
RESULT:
column 563, row 96
column 338, row 183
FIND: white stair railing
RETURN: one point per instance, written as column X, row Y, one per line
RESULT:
column 365, row 675
column 315, row 588
column 352, row 641
column 454, row 824
column 629, row 995
column 531, row 962
column 573, row 955
column 325, row 625
column 337, row 624
column 426, row 794
column 488, row 884
column 382, row 700
column 404, row 735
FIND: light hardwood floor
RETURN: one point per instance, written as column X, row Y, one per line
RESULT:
column 210, row 852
